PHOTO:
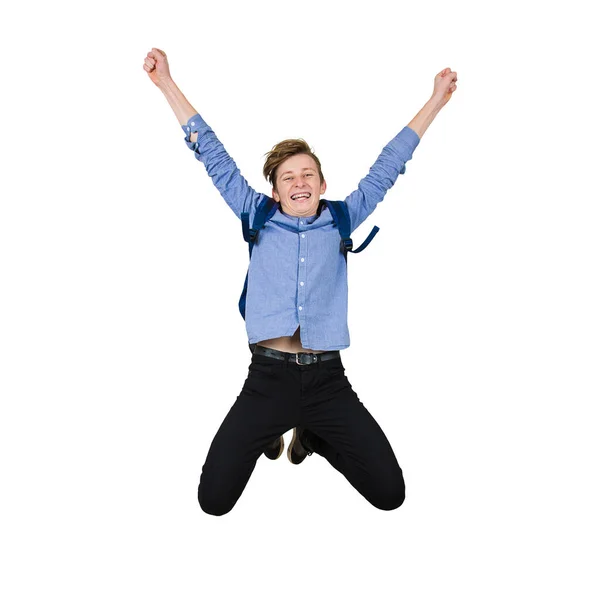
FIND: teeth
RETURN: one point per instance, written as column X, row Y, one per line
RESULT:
column 296, row 196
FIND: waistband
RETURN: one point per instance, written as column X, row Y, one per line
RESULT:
column 300, row 358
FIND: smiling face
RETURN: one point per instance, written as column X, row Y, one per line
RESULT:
column 297, row 186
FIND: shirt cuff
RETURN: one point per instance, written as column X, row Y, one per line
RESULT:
column 404, row 144
column 194, row 124
column 409, row 139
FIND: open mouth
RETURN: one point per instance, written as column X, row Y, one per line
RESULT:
column 301, row 197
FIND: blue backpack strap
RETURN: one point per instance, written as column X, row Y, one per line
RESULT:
column 265, row 210
column 242, row 300
column 341, row 217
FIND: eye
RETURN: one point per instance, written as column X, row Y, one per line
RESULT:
column 309, row 174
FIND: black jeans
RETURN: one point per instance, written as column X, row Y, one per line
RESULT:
column 279, row 395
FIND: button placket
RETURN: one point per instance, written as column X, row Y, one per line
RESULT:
column 302, row 272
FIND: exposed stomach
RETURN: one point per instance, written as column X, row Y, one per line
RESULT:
column 287, row 343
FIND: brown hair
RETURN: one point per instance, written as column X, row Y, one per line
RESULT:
column 282, row 152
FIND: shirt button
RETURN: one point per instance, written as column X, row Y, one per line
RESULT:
column 303, row 235
column 302, row 283
column 193, row 123
column 299, row 308
column 301, row 222
column 301, row 260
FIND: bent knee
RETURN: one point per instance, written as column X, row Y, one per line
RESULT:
column 213, row 505
column 390, row 498
column 391, row 502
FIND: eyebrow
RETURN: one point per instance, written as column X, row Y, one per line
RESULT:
column 305, row 169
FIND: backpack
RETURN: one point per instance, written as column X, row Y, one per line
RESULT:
column 267, row 208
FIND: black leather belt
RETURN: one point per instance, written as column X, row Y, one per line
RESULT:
column 300, row 358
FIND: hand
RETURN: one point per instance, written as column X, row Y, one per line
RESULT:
column 444, row 86
column 157, row 66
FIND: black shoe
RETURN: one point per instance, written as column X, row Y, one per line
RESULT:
column 274, row 449
column 299, row 447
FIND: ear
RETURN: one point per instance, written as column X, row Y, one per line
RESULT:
column 275, row 195
column 323, row 187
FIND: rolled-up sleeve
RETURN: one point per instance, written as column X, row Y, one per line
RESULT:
column 382, row 176
column 222, row 169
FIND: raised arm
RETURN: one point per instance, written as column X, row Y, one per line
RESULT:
column 200, row 138
column 393, row 158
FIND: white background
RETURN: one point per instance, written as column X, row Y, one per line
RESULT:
column 473, row 314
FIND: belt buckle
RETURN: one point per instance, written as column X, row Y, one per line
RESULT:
column 309, row 356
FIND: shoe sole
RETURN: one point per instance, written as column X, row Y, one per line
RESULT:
column 281, row 447
column 289, row 450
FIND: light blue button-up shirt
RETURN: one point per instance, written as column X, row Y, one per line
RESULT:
column 297, row 275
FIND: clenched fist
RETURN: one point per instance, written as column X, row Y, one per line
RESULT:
column 157, row 66
column 444, row 85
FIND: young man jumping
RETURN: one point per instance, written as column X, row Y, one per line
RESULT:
column 295, row 308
